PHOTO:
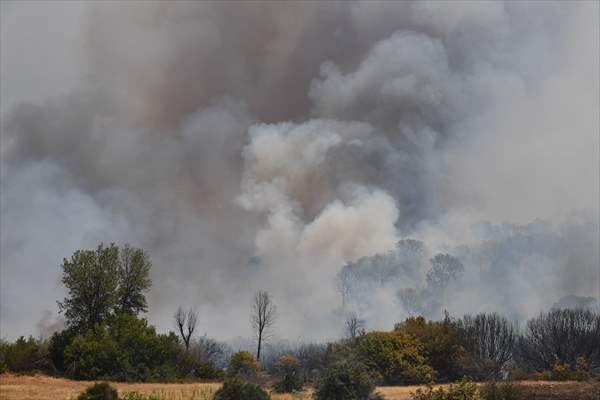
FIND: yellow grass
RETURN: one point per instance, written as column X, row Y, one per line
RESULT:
column 41, row 387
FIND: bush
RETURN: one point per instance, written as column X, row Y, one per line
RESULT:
column 237, row 390
column 346, row 381
column 396, row 356
column 464, row 390
column 24, row 355
column 127, row 350
column 56, row 348
column 288, row 372
column 243, row 365
column 501, row 391
column 99, row 391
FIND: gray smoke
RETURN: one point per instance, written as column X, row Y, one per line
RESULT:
column 264, row 145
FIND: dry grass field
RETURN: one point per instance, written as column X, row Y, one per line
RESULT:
column 40, row 387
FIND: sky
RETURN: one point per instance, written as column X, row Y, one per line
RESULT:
column 263, row 146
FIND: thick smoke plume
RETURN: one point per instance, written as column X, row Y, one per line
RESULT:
column 265, row 145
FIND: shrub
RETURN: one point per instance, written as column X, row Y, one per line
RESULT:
column 99, row 391
column 501, row 391
column 127, row 350
column 24, row 355
column 56, row 347
column 288, row 371
column 346, row 381
column 243, row 365
column 237, row 390
column 396, row 356
column 464, row 390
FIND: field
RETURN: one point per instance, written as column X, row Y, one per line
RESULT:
column 40, row 387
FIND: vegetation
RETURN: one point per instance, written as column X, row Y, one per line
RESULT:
column 288, row 375
column 106, row 339
column 243, row 365
column 464, row 390
column 346, row 381
column 99, row 391
column 396, row 357
column 238, row 390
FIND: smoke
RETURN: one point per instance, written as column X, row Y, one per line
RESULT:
column 263, row 145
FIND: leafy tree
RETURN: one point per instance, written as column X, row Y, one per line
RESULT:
column 134, row 280
column 441, row 344
column 56, row 347
column 104, row 282
column 396, row 356
column 91, row 278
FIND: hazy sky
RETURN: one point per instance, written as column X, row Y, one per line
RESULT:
column 263, row 145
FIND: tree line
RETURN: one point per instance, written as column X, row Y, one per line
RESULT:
column 105, row 338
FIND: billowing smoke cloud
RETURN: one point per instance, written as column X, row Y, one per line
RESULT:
column 264, row 145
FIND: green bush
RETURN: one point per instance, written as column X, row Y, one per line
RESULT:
column 56, row 347
column 243, row 365
column 396, row 356
column 464, row 390
column 127, row 350
column 346, row 381
column 288, row 371
column 99, row 391
column 24, row 355
column 501, row 391
column 238, row 390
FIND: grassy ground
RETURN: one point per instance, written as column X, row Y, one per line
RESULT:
column 39, row 387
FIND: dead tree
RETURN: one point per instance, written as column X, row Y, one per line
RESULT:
column 354, row 326
column 264, row 314
column 186, row 324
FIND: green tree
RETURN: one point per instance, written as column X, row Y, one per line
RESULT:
column 441, row 344
column 91, row 278
column 104, row 282
column 134, row 280
column 396, row 356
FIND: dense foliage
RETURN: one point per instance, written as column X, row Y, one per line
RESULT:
column 238, row 390
column 346, row 381
column 288, row 375
column 99, row 391
column 441, row 345
column 243, row 365
column 397, row 357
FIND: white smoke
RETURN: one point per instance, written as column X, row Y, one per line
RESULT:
column 263, row 145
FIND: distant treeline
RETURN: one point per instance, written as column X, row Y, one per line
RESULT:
column 106, row 339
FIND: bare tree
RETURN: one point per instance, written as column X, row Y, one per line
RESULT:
column 560, row 335
column 490, row 338
column 186, row 324
column 354, row 325
column 264, row 314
